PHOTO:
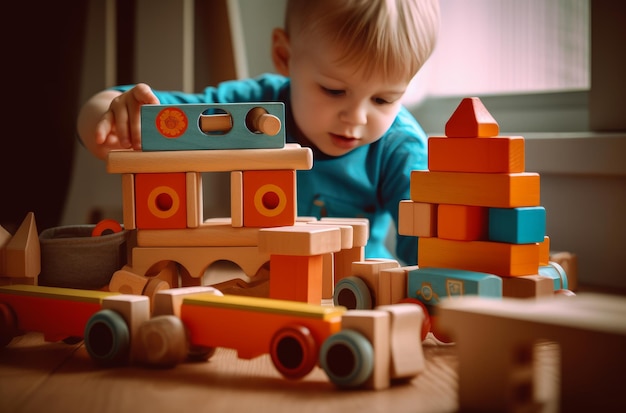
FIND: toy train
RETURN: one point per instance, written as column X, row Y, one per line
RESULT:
column 355, row 348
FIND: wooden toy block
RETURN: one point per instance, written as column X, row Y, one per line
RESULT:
column 58, row 313
column 347, row 233
column 522, row 225
column 22, row 253
column 194, row 199
column 375, row 326
column 544, row 251
column 360, row 228
column 195, row 260
column 527, row 286
column 126, row 281
column 491, row 335
column 369, row 271
column 236, row 198
column 160, row 200
column 296, row 278
column 405, row 340
column 300, row 240
column 292, row 156
column 328, row 276
column 556, row 274
column 168, row 302
column 135, row 310
column 343, row 262
column 269, row 198
column 471, row 119
column 505, row 260
column 569, row 262
column 208, row 234
column 392, row 283
column 499, row 154
column 418, row 219
column 479, row 189
column 462, row 222
column 128, row 201
column 161, row 342
column 431, row 285
column 212, row 126
column 18, row 280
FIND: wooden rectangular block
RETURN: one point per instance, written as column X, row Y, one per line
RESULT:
column 375, row 326
column 479, row 189
column 527, row 286
column 297, row 278
column 462, row 222
column 209, row 234
column 499, row 154
column 269, row 198
column 418, row 219
column 300, row 240
column 505, row 260
column 160, row 200
column 184, row 127
column 236, row 198
column 392, row 283
column 292, row 156
column 194, row 199
column 360, row 228
column 128, row 201
column 522, row 225
column 369, row 271
column 544, row 251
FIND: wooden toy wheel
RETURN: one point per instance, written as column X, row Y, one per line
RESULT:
column 107, row 337
column 163, row 341
column 426, row 324
column 347, row 357
column 293, row 351
column 352, row 293
column 105, row 227
column 8, row 325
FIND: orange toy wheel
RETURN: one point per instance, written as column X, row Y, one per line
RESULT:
column 106, row 226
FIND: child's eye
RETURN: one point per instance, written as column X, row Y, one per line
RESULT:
column 381, row 101
column 332, row 92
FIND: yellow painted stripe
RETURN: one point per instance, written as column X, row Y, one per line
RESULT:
column 265, row 305
column 67, row 294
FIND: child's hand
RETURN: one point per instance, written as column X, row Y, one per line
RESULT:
column 120, row 126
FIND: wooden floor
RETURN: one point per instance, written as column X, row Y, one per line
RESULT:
column 36, row 376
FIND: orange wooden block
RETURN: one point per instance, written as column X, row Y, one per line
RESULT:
column 479, row 189
column 161, row 200
column 296, row 278
column 501, row 154
column 544, row 251
column 499, row 258
column 471, row 119
column 462, row 222
column 269, row 198
column 417, row 219
column 128, row 201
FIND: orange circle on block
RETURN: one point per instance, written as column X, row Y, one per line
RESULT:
column 105, row 227
column 262, row 198
column 171, row 122
column 163, row 202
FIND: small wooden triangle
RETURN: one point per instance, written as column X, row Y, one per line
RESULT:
column 471, row 119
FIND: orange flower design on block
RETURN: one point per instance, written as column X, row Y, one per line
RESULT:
column 171, row 122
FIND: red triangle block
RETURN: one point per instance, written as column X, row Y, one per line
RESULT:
column 471, row 119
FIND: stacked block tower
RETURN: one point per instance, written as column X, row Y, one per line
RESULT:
column 477, row 209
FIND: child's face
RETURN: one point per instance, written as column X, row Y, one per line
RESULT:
column 336, row 107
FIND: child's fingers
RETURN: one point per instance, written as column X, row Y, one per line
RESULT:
column 104, row 128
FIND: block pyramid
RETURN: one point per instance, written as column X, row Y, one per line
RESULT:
column 476, row 208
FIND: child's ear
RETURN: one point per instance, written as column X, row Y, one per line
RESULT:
column 280, row 51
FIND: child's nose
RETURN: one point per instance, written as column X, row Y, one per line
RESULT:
column 355, row 114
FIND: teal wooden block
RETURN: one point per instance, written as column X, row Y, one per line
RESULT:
column 523, row 225
column 178, row 127
column 430, row 285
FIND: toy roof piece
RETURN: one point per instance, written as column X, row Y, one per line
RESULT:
column 471, row 119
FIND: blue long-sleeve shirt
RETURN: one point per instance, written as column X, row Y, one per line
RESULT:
column 368, row 182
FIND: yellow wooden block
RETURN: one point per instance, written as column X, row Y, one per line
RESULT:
column 418, row 219
column 499, row 258
column 479, row 189
column 300, row 240
column 291, row 156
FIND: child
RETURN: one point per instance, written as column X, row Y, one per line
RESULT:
column 343, row 67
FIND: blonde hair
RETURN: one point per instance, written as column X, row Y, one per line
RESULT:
column 390, row 37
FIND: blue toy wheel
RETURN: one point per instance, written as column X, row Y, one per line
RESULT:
column 352, row 293
column 347, row 357
column 107, row 337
